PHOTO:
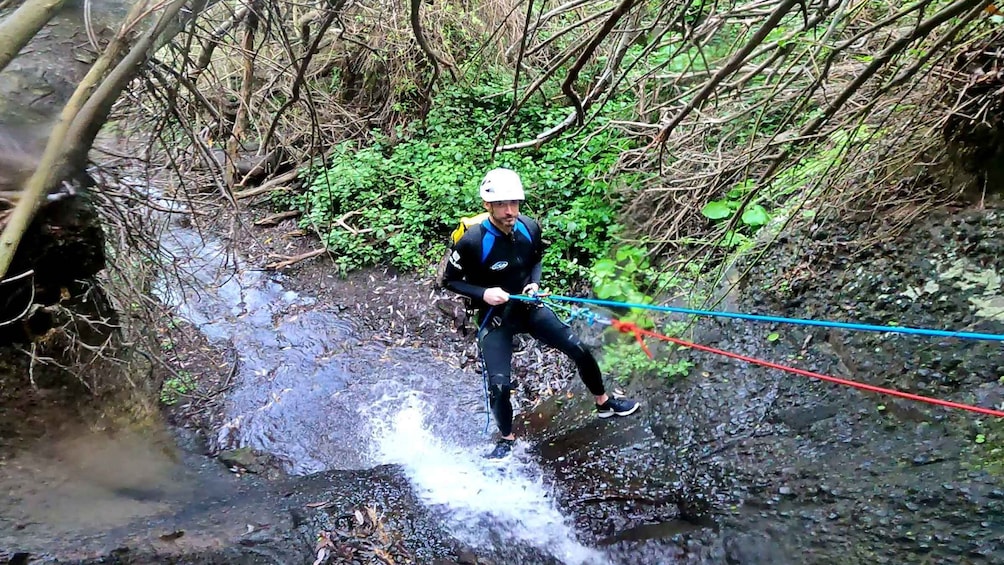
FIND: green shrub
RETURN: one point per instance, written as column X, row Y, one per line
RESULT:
column 395, row 203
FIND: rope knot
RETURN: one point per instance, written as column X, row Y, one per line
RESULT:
column 632, row 328
column 584, row 314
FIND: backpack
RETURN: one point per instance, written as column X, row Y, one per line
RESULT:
column 466, row 223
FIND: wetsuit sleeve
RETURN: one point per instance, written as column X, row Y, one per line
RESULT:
column 463, row 258
column 536, row 273
column 538, row 252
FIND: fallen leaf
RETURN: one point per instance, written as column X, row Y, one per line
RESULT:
column 322, row 556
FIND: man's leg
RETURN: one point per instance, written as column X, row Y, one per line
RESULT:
column 546, row 327
column 496, row 354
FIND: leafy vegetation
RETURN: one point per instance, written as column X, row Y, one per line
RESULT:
column 177, row 387
column 396, row 201
column 625, row 360
column 987, row 449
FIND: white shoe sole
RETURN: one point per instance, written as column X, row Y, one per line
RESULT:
column 612, row 414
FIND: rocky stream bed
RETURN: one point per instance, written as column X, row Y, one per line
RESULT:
column 366, row 411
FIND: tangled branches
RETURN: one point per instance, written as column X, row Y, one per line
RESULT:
column 835, row 102
column 975, row 124
column 245, row 105
column 758, row 95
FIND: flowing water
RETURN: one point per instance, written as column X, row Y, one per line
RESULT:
column 312, row 392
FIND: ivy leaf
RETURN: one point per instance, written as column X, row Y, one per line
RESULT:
column 755, row 216
column 607, row 290
column 716, row 210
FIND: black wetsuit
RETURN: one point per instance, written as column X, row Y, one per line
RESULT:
column 486, row 257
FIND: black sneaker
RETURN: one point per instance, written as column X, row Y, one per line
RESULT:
column 616, row 407
column 502, row 449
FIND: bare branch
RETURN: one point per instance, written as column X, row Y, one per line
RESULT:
column 568, row 86
column 737, row 59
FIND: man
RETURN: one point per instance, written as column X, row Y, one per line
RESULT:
column 497, row 258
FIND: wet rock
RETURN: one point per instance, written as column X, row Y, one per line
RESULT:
column 741, row 549
column 802, row 418
column 245, row 459
column 900, row 459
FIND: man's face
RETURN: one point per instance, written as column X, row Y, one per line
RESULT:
column 504, row 213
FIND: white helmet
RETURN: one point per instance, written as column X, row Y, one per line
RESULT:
column 500, row 185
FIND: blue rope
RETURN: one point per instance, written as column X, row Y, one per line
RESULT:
column 572, row 311
column 777, row 319
column 484, row 370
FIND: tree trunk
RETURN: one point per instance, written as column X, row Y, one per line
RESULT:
column 85, row 112
column 17, row 29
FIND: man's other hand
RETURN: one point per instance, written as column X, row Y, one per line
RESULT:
column 495, row 296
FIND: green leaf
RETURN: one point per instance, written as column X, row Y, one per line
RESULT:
column 980, row 438
column 741, row 189
column 605, row 267
column 773, row 337
column 733, row 239
column 716, row 210
column 755, row 216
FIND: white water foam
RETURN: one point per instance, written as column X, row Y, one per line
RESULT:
column 482, row 499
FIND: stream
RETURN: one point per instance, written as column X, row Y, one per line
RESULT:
column 310, row 391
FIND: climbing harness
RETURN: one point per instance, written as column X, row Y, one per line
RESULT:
column 579, row 313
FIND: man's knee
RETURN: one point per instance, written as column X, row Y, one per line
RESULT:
column 499, row 386
column 576, row 348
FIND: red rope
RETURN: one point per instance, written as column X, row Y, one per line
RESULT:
column 630, row 327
